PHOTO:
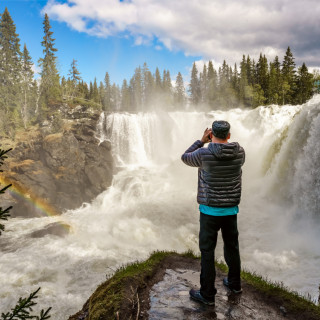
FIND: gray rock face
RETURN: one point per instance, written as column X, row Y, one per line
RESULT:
column 61, row 170
column 57, row 229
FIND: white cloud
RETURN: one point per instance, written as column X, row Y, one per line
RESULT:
column 209, row 28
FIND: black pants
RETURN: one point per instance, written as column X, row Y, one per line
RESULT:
column 209, row 227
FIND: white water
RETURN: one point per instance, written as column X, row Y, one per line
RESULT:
column 152, row 206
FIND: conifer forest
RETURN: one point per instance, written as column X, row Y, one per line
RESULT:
column 25, row 100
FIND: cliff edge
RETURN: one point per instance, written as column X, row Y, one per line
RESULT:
column 158, row 288
column 52, row 169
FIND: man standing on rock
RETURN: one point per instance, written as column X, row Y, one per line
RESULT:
column 219, row 193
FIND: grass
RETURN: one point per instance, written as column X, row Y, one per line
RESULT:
column 111, row 297
column 107, row 300
column 276, row 291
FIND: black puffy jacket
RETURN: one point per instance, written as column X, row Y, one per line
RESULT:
column 219, row 173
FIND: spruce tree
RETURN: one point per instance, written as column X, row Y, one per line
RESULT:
column 194, row 86
column 158, row 81
column 204, row 85
column 245, row 95
column 95, row 91
column 304, row 85
column 288, row 73
column 262, row 73
column 101, row 93
column 125, row 96
column 167, row 100
column 115, row 97
column 28, row 86
column 147, row 86
column 137, row 89
column 179, row 92
column 75, row 77
column 107, row 93
column 10, row 72
column 212, row 84
column 50, row 84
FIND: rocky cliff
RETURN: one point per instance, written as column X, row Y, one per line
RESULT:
column 54, row 170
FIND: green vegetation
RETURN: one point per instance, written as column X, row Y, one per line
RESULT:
column 24, row 306
column 291, row 300
column 25, row 101
column 4, row 214
column 107, row 300
column 111, row 297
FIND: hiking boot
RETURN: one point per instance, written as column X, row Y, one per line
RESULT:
column 234, row 290
column 196, row 295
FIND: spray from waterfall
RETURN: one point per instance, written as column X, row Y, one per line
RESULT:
column 151, row 205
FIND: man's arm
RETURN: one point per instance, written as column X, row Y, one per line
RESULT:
column 192, row 156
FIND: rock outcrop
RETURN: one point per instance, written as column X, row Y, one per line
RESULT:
column 57, row 171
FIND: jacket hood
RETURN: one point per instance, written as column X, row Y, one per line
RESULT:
column 227, row 151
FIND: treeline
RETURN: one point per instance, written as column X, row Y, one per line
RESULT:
column 25, row 101
column 253, row 84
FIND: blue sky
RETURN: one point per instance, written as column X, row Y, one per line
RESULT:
column 117, row 36
column 95, row 55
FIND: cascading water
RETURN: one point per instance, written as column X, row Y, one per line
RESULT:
column 151, row 205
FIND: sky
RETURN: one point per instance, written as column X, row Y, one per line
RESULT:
column 117, row 36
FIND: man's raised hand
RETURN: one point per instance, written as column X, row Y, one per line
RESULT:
column 206, row 136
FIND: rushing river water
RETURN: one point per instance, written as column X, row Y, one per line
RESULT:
column 151, row 205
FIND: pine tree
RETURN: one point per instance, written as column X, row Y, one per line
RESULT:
column 204, row 85
column 288, row 78
column 158, row 81
column 115, row 97
column 95, row 91
column 244, row 91
column 235, row 80
column 101, row 93
column 167, row 99
column 50, row 83
column 125, row 96
column 304, row 85
column 262, row 74
column 28, row 86
column 194, row 86
column 107, row 93
column 250, row 70
column 137, row 89
column 212, row 84
column 179, row 92
column 10, row 72
column 74, row 75
column 147, row 86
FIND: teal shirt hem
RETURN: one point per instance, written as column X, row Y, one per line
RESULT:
column 218, row 211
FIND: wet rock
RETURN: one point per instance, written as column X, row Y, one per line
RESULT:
column 58, row 229
column 169, row 299
column 62, row 169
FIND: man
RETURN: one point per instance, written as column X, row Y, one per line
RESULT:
column 219, row 193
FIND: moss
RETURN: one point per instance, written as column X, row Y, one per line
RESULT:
column 291, row 300
column 106, row 302
column 115, row 297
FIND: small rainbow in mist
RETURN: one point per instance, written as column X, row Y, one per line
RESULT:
column 40, row 205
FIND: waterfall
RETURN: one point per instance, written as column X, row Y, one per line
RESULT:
column 151, row 205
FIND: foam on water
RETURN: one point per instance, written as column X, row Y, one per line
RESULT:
column 151, row 205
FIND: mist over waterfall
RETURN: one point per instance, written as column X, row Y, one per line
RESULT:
column 151, row 205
